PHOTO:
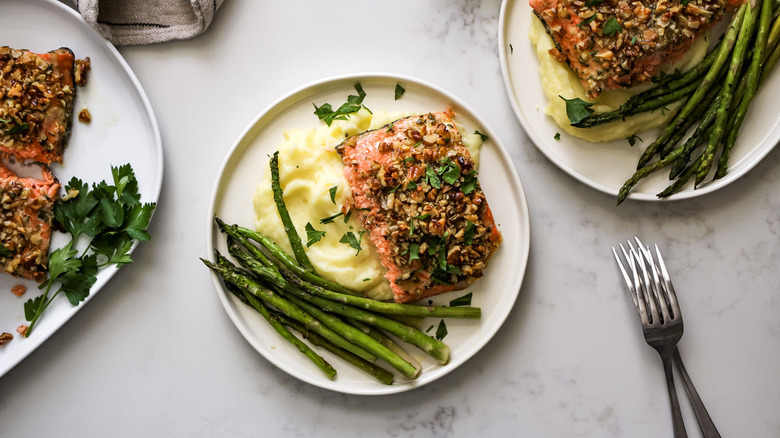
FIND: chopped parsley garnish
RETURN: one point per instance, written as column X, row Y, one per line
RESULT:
column 414, row 252
column 468, row 233
column 511, row 49
column 353, row 240
column 592, row 3
column 312, row 236
column 421, row 217
column 347, row 216
column 632, row 140
column 449, row 171
column 465, row 300
column 366, row 279
column 352, row 105
column 399, row 91
column 469, row 183
column 577, row 109
column 5, row 252
column 633, row 40
column 17, row 128
column 329, row 219
column 411, row 185
column 441, row 330
column 332, row 192
column 432, row 177
column 557, row 136
column 482, row 136
column 612, row 27
column 587, row 21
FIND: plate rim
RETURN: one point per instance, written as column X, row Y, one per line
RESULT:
column 73, row 17
column 285, row 99
column 755, row 156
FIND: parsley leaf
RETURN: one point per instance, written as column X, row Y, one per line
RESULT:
column 17, row 128
column 482, row 136
column 353, row 240
column 441, row 330
column 587, row 21
column 577, row 109
column 465, row 300
column 611, row 27
column 399, row 91
column 469, row 183
column 414, row 252
column 5, row 252
column 329, row 219
column 557, row 136
column 312, row 236
column 432, row 177
column 332, row 192
column 112, row 216
column 632, row 140
column 352, row 105
column 449, row 172
column 468, row 233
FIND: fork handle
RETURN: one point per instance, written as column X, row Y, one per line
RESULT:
column 705, row 422
column 677, row 419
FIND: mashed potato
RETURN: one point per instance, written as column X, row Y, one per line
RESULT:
column 309, row 168
column 558, row 79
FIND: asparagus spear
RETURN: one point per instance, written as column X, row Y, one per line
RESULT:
column 632, row 106
column 289, row 263
column 289, row 227
column 388, row 308
column 753, row 74
column 373, row 370
column 311, row 306
column 387, row 341
column 233, row 234
column 275, row 322
column 694, row 141
column 245, row 283
column 433, row 347
column 726, row 93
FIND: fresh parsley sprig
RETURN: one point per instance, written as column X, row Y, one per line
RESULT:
column 112, row 217
column 352, row 105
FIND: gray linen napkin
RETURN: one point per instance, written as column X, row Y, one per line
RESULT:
column 127, row 22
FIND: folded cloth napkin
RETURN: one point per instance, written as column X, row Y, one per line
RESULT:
column 126, row 22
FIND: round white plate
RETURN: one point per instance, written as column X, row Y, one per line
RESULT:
column 606, row 166
column 495, row 293
column 123, row 130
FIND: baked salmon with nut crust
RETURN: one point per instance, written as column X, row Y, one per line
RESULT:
column 416, row 191
column 26, row 205
column 612, row 44
column 36, row 102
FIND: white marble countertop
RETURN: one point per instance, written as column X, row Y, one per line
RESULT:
column 155, row 354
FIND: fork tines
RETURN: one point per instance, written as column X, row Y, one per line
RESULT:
column 649, row 285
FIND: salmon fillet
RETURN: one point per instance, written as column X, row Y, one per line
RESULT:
column 25, row 228
column 36, row 102
column 612, row 44
column 415, row 189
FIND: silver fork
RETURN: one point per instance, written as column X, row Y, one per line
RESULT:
column 662, row 326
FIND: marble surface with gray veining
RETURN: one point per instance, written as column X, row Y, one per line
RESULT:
column 154, row 354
